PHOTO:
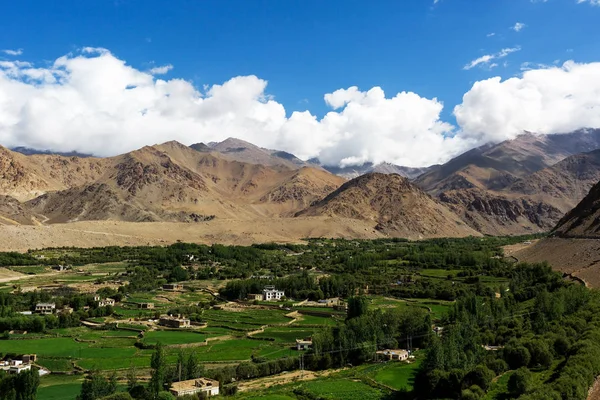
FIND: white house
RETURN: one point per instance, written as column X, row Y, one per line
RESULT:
column 45, row 308
column 272, row 294
column 303, row 344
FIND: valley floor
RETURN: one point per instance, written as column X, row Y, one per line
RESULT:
column 87, row 234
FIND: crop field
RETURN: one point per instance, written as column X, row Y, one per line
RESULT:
column 285, row 335
column 314, row 320
column 174, row 337
column 251, row 316
column 343, row 389
column 59, row 387
column 397, row 375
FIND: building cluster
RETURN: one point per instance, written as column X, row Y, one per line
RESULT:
column 18, row 366
column 270, row 293
column 208, row 387
column 171, row 321
column 104, row 302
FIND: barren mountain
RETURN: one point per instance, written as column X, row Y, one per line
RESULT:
column 498, row 166
column 167, row 182
column 239, row 150
column 354, row 171
column 393, row 205
column 584, row 219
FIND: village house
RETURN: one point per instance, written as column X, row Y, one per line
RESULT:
column 106, row 302
column 335, row 301
column 173, row 287
column 66, row 310
column 208, row 387
column 255, row 296
column 18, row 366
column 272, row 294
column 146, row 306
column 97, row 298
column 303, row 344
column 45, row 308
column 393, row 355
column 174, row 322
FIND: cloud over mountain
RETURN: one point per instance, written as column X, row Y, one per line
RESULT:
column 93, row 102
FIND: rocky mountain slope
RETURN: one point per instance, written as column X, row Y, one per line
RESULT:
column 168, row 182
column 584, row 219
column 518, row 186
column 393, row 205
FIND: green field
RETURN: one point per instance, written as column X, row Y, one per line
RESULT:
column 342, row 389
column 59, row 387
column 174, row 337
column 285, row 335
column 398, row 375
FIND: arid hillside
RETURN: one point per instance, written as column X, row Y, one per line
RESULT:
column 393, row 205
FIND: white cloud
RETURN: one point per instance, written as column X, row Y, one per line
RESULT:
column 547, row 100
column 518, row 27
column 486, row 60
column 10, row 52
column 491, row 34
column 94, row 102
column 161, row 70
column 592, row 2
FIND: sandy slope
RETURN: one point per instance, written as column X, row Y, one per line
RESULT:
column 578, row 257
column 227, row 231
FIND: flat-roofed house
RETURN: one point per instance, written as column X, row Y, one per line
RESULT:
column 272, row 294
column 174, row 322
column 393, row 355
column 255, row 296
column 45, row 308
column 303, row 344
column 174, row 287
column 207, row 386
column 146, row 306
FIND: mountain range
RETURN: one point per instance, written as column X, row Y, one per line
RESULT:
column 518, row 186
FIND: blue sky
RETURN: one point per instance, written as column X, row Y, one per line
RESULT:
column 307, row 48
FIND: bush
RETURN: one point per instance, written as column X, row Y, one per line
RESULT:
column 519, row 382
column 118, row 396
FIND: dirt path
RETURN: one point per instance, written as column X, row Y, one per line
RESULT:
column 594, row 392
column 282, row 379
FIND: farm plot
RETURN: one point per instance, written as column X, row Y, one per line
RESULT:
column 288, row 335
column 59, row 387
column 175, row 337
column 343, row 389
column 255, row 317
column 398, row 375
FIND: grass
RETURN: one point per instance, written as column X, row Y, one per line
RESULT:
column 285, row 335
column 398, row 375
column 59, row 387
column 312, row 320
column 174, row 337
column 251, row 317
column 343, row 389
column 33, row 269
column 53, row 347
column 55, row 364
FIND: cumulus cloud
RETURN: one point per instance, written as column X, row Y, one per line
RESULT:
column 518, row 27
column 10, row 52
column 486, row 60
column 161, row 70
column 94, row 102
column 545, row 101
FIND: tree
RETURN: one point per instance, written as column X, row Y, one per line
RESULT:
column 519, row 382
column 357, row 306
column 158, row 363
column 132, row 379
column 26, row 384
column 517, row 356
column 194, row 368
column 96, row 386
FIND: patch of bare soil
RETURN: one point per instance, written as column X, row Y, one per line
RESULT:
column 594, row 392
column 283, row 379
column 579, row 258
column 227, row 231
